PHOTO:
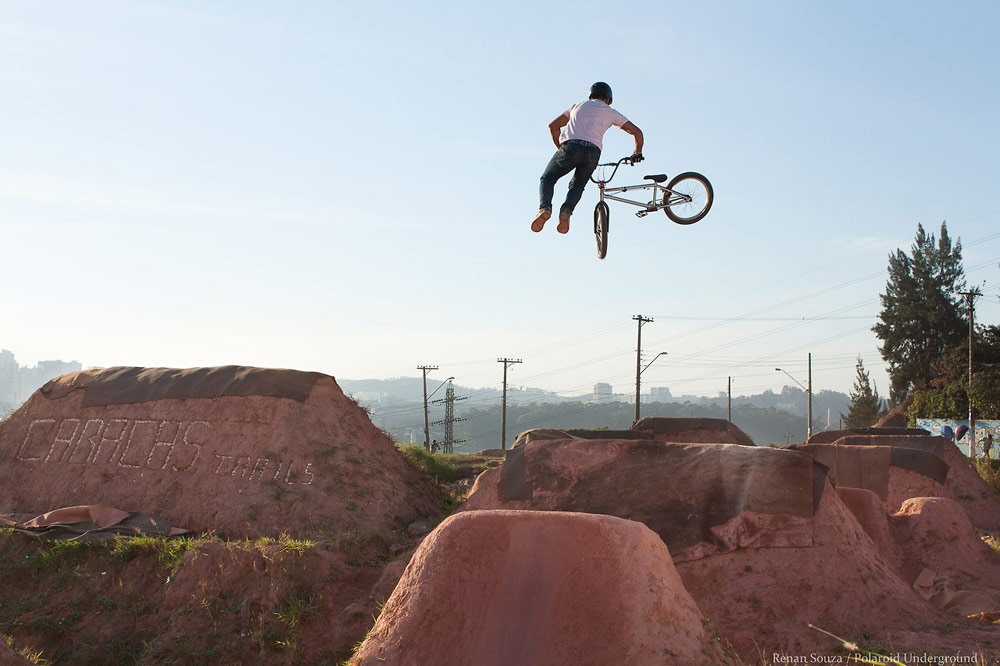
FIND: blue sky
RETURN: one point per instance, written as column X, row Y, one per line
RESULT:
column 348, row 187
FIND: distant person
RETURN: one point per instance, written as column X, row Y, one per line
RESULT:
column 987, row 444
column 435, row 447
column 578, row 134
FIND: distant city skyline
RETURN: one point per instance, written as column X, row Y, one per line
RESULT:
column 18, row 382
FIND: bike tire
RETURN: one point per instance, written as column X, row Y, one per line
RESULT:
column 695, row 186
column 602, row 217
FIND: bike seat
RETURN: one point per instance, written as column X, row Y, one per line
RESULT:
column 656, row 178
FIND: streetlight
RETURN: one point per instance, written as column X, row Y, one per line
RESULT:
column 639, row 374
column 809, row 395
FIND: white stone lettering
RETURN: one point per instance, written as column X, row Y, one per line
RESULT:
column 188, row 437
column 259, row 468
column 40, row 435
column 161, row 442
column 240, row 466
column 222, row 461
column 91, row 429
column 117, row 439
column 59, row 439
column 140, row 427
column 173, row 446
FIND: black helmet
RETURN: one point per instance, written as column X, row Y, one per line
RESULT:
column 600, row 90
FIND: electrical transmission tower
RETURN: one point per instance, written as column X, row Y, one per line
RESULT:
column 449, row 420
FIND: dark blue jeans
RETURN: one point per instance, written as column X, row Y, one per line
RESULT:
column 580, row 156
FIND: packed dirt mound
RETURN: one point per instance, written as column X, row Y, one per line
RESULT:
column 944, row 559
column 831, row 436
column 893, row 473
column 185, row 601
column 963, row 482
column 765, row 598
column 246, row 451
column 693, row 430
column 663, row 429
column 868, row 510
column 700, row 498
column 761, row 539
column 495, row 588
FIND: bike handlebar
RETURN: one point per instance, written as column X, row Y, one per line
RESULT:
column 631, row 160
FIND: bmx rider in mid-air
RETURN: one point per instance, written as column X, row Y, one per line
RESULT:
column 578, row 133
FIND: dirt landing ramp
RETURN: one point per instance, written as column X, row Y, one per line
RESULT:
column 496, row 588
column 246, row 451
column 691, row 430
column 761, row 540
column 894, row 473
column 944, row 559
column 700, row 498
column 963, row 481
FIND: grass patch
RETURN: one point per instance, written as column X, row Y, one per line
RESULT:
column 286, row 543
column 987, row 469
column 434, row 466
column 168, row 551
column 993, row 541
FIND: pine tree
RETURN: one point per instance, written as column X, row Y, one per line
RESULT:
column 866, row 406
column 921, row 316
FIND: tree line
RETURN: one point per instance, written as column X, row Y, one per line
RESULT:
column 924, row 332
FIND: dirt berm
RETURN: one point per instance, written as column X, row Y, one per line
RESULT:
column 243, row 451
column 761, row 541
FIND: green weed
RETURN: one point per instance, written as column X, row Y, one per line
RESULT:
column 432, row 465
column 987, row 469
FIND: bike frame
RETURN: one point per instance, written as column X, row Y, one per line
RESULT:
column 655, row 203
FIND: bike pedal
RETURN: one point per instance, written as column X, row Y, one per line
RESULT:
column 642, row 213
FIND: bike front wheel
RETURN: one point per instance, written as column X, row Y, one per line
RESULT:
column 689, row 199
column 601, row 219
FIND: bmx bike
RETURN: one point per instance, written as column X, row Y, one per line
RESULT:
column 686, row 199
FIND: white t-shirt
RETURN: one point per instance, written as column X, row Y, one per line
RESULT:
column 588, row 121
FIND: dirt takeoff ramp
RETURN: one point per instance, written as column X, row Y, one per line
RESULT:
column 246, row 451
column 495, row 588
column 700, row 498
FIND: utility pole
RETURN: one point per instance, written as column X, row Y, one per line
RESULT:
column 427, row 425
column 729, row 399
column 970, row 302
column 638, row 358
column 809, row 395
column 507, row 362
column 449, row 420
column 809, row 430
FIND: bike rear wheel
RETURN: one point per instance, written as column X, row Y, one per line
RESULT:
column 601, row 220
column 690, row 198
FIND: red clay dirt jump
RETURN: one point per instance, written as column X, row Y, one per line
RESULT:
column 765, row 545
column 914, row 463
column 244, row 451
column 531, row 588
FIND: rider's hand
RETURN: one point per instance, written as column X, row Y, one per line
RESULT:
column 636, row 158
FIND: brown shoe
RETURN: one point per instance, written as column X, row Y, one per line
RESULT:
column 563, row 222
column 543, row 216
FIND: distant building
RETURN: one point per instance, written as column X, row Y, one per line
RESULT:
column 603, row 392
column 659, row 394
column 17, row 383
column 9, row 379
